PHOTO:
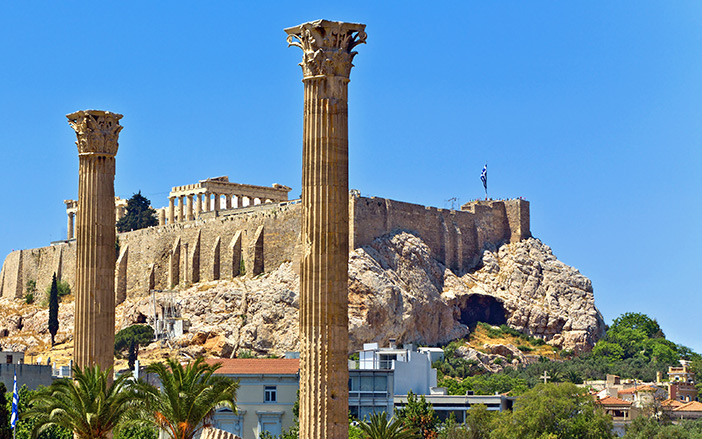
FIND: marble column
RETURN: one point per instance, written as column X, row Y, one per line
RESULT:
column 206, row 202
column 198, row 204
column 217, row 199
column 94, row 333
column 161, row 217
column 181, row 210
column 326, row 64
column 189, row 207
column 171, row 210
column 70, row 225
column 227, row 200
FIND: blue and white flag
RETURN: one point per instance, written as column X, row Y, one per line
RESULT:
column 483, row 177
column 15, row 403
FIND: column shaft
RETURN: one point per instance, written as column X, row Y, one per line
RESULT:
column 189, row 207
column 198, row 204
column 70, row 226
column 324, row 267
column 181, row 210
column 171, row 210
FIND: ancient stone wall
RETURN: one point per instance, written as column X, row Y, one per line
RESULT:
column 38, row 264
column 264, row 237
column 456, row 238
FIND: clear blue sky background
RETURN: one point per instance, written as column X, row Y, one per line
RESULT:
column 591, row 110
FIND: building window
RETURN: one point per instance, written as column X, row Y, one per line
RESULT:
column 9, row 359
column 270, row 394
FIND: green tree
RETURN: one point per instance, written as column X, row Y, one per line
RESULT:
column 139, row 432
column 130, row 338
column 5, row 431
column 30, row 290
column 139, row 214
column 638, row 322
column 650, row 428
column 453, row 430
column 380, row 427
column 609, row 350
column 25, row 425
column 188, row 397
column 479, row 422
column 53, row 310
column 90, row 405
column 554, row 411
column 419, row 416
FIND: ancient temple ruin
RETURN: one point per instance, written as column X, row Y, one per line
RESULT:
column 215, row 194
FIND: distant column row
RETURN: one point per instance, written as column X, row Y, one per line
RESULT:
column 188, row 207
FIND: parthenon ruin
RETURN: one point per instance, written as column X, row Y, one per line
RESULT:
column 212, row 194
column 215, row 194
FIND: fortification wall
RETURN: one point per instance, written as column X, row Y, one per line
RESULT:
column 455, row 237
column 260, row 238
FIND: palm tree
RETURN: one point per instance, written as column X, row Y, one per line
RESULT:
column 188, row 397
column 90, row 404
column 380, row 427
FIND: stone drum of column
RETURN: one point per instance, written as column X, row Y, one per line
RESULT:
column 97, row 133
column 326, row 64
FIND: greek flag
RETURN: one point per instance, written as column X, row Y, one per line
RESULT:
column 483, row 177
column 15, row 402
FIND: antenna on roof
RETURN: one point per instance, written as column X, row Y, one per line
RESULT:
column 453, row 202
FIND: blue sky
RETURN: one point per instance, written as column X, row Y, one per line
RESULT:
column 590, row 110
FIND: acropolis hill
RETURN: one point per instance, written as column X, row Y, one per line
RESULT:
column 416, row 273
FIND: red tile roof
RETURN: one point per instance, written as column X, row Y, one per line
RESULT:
column 671, row 403
column 638, row 389
column 610, row 400
column 256, row 366
column 694, row 406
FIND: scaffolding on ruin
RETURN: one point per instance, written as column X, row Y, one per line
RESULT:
column 166, row 318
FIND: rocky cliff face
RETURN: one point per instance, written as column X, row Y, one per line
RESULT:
column 396, row 290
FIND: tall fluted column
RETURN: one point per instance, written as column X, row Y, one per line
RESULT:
column 70, row 225
column 326, row 64
column 217, row 200
column 198, row 204
column 206, row 202
column 98, row 133
column 161, row 217
column 181, row 210
column 171, row 210
column 189, row 207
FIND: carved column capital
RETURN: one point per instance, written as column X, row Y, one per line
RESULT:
column 97, row 131
column 327, row 46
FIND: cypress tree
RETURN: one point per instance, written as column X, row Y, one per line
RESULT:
column 133, row 353
column 53, row 309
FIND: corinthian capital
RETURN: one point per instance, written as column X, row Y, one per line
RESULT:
column 97, row 131
column 327, row 46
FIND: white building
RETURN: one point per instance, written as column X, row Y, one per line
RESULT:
column 407, row 370
column 267, row 392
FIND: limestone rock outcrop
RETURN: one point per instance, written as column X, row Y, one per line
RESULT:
column 396, row 290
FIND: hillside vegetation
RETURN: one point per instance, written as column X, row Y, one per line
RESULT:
column 634, row 347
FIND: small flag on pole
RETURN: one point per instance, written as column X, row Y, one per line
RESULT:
column 483, row 178
column 15, row 403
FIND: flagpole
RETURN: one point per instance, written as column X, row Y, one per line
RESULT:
column 483, row 178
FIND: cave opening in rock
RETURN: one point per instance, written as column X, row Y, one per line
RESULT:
column 479, row 308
